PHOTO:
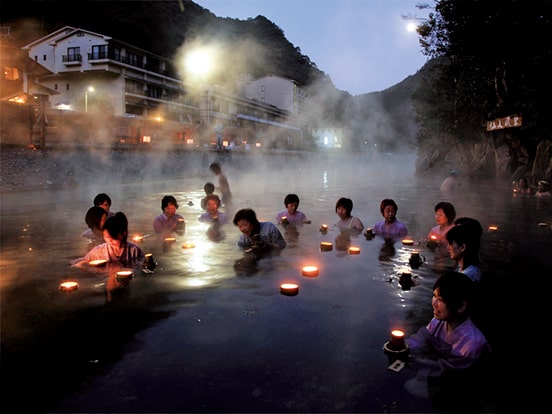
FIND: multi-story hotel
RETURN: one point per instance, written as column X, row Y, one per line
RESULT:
column 93, row 74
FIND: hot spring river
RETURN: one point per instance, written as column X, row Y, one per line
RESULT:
column 209, row 331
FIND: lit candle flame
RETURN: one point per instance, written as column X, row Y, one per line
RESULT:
column 326, row 246
column 68, row 286
column 289, row 289
column 310, row 271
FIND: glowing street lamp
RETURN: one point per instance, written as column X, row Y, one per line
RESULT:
column 198, row 63
column 89, row 89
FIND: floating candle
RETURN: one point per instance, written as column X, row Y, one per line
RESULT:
column 493, row 228
column 138, row 239
column 543, row 224
column 170, row 240
column 289, row 289
column 188, row 245
column 397, row 339
column 97, row 263
column 326, row 246
column 324, row 228
column 68, row 286
column 124, row 275
column 408, row 242
column 354, row 250
column 310, row 271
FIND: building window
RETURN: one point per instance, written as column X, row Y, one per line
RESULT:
column 99, row 52
column 10, row 73
column 67, row 87
column 73, row 54
column 56, row 86
column 44, row 58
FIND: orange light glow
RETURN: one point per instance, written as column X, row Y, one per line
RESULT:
column 68, row 286
column 326, row 246
column 354, row 250
column 97, row 263
column 188, row 245
column 310, row 271
column 138, row 239
column 289, row 289
column 397, row 338
column 408, row 242
column 124, row 275
column 493, row 228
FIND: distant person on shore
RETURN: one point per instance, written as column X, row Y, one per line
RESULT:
column 464, row 240
column 450, row 183
column 116, row 249
column 94, row 219
column 209, row 189
column 291, row 213
column 169, row 221
column 445, row 214
column 347, row 222
column 390, row 226
column 257, row 237
column 543, row 189
column 223, row 186
column 213, row 215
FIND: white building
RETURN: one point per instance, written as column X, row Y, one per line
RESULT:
column 91, row 72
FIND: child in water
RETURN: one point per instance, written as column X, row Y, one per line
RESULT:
column 116, row 248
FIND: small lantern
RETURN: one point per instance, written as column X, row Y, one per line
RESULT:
column 289, row 289
column 68, row 286
column 326, row 246
column 310, row 271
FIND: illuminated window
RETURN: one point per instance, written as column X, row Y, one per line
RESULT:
column 11, row 73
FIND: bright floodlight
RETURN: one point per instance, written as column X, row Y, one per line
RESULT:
column 198, row 63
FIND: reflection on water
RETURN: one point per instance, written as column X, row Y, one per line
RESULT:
column 211, row 320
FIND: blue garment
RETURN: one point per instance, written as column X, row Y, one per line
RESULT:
column 395, row 229
column 298, row 218
column 164, row 224
column 222, row 218
column 441, row 350
column 473, row 272
column 269, row 234
column 131, row 255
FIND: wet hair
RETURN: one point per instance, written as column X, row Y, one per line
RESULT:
column 388, row 202
column 455, row 289
column 248, row 215
column 448, row 209
column 467, row 231
column 346, row 203
column 212, row 197
column 168, row 199
column 290, row 199
column 117, row 225
column 101, row 198
column 215, row 167
column 209, row 188
column 474, row 227
column 94, row 217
